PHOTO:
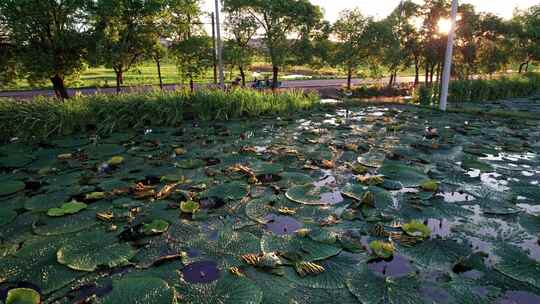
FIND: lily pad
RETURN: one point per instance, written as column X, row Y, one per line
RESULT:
column 383, row 250
column 155, row 227
column 417, row 229
column 406, row 175
column 310, row 195
column 23, row 296
column 92, row 250
column 66, row 209
column 189, row 207
column 140, row 290
column 517, row 265
column 11, row 187
column 227, row 290
column 231, row 191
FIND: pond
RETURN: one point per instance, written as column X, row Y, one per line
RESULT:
column 383, row 205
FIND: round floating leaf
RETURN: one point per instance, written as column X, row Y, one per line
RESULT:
column 259, row 208
column 289, row 179
column 11, row 187
column 232, row 191
column 155, row 227
column 369, row 288
column 91, row 250
column 311, row 195
column 190, row 163
column 14, row 161
column 436, row 253
column 189, row 207
column 430, row 185
column 383, row 250
column 104, row 150
column 44, row 202
column 407, row 175
column 67, row 208
column 516, row 264
column 531, row 223
column 7, row 215
column 228, row 290
column 308, row 249
column 470, row 163
column 23, row 296
column 382, row 198
column 372, row 159
column 140, row 290
column 115, row 161
column 417, row 229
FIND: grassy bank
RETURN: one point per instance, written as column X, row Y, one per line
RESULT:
column 42, row 118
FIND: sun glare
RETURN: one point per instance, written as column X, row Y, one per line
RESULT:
column 444, row 25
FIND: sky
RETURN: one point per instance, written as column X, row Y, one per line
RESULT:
column 381, row 8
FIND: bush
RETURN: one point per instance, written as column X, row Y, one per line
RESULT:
column 45, row 117
column 371, row 91
column 423, row 95
column 487, row 90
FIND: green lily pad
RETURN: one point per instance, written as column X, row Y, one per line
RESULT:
column 155, row 227
column 232, row 191
column 369, row 288
column 23, row 296
column 139, row 290
column 407, row 175
column 383, row 250
column 190, row 163
column 94, row 249
column 372, row 159
column 11, row 187
column 436, row 253
column 66, row 209
column 227, row 290
column 517, row 265
column 189, row 207
column 417, row 229
column 308, row 249
column 115, row 161
column 7, row 215
column 430, row 185
column 289, row 179
column 308, row 194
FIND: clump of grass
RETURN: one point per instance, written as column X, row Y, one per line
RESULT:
column 42, row 117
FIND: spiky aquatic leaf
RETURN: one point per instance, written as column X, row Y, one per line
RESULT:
column 382, row 249
column 308, row 249
column 436, row 253
column 189, row 207
column 417, row 229
column 230, row 289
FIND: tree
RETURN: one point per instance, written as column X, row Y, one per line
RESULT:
column 283, row 22
column 49, row 38
column 242, row 27
column 124, row 33
column 351, row 31
column 526, row 37
column 8, row 63
column 466, row 46
column 193, row 57
column 158, row 52
column 495, row 46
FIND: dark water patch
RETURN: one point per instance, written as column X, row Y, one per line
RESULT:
column 202, row 272
column 397, row 266
column 519, row 297
column 282, row 225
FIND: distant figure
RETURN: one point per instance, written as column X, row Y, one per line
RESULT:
column 256, row 83
column 267, row 82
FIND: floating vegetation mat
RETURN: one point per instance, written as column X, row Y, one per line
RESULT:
column 377, row 205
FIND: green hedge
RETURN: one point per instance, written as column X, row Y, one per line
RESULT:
column 487, row 90
column 45, row 117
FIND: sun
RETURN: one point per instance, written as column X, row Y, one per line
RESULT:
column 444, row 25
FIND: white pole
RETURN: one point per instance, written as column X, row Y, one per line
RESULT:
column 448, row 57
column 219, row 48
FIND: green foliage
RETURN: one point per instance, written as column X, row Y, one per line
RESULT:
column 44, row 117
column 23, row 296
column 417, row 229
column 66, row 209
column 193, row 56
column 382, row 249
column 423, row 95
column 53, row 45
column 488, row 90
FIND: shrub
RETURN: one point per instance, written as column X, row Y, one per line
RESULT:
column 423, row 95
column 45, row 117
column 487, row 90
column 377, row 90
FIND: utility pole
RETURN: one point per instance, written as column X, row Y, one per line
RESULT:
column 448, row 57
column 214, row 45
column 219, row 49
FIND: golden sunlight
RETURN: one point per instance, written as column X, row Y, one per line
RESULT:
column 444, row 25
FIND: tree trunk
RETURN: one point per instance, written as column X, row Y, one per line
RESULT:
column 119, row 80
column 242, row 75
column 275, row 83
column 59, row 87
column 349, row 78
column 158, row 63
column 524, row 65
column 431, row 73
column 426, row 82
column 191, row 84
column 391, row 82
column 416, row 72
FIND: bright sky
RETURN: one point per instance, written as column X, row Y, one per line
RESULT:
column 381, row 8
